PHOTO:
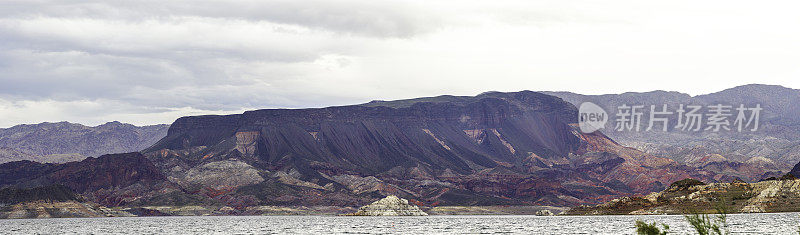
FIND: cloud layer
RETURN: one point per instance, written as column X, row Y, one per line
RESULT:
column 147, row 62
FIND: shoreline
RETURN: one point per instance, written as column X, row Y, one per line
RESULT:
column 323, row 211
column 330, row 215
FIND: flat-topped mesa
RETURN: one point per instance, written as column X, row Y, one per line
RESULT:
column 491, row 149
column 390, row 206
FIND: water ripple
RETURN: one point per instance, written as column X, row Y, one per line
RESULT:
column 773, row 223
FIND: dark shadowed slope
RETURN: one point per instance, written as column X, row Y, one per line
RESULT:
column 113, row 179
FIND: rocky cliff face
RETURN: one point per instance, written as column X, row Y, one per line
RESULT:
column 737, row 197
column 390, row 206
column 64, row 142
column 491, row 149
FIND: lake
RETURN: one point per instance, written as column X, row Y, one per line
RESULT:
column 773, row 223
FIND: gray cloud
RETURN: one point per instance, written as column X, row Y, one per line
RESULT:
column 151, row 61
column 369, row 18
column 171, row 63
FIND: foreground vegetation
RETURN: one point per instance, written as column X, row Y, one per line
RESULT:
column 701, row 223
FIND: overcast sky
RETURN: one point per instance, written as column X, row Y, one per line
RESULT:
column 152, row 61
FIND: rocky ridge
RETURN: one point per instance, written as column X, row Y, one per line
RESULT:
column 735, row 197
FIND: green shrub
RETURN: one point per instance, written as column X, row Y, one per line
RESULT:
column 643, row 228
column 704, row 225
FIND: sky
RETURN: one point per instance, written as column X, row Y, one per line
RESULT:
column 152, row 61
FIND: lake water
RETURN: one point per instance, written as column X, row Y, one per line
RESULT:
column 774, row 223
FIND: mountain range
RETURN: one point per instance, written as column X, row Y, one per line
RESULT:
column 64, row 142
column 774, row 147
column 496, row 148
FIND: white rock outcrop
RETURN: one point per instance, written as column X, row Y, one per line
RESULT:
column 390, row 206
column 545, row 213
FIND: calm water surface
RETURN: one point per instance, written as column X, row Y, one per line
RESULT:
column 776, row 223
